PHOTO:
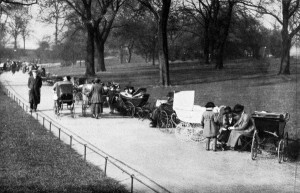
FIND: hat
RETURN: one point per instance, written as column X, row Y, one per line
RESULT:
column 210, row 105
column 97, row 80
column 227, row 110
column 238, row 109
column 170, row 94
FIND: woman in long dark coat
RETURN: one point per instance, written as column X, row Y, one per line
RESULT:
column 96, row 98
column 34, row 85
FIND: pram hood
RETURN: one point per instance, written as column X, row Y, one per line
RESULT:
column 185, row 109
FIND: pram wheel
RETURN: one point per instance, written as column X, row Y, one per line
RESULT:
column 281, row 151
column 254, row 146
column 285, row 156
column 130, row 108
column 163, row 120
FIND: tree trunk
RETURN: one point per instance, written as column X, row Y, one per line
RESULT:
column 220, row 57
column 223, row 37
column 285, row 56
column 163, row 44
column 15, row 42
column 90, row 48
column 129, row 48
column 286, row 41
column 206, row 43
column 56, row 31
column 101, row 62
column 24, row 40
column 121, row 55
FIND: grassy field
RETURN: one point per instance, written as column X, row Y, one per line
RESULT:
column 33, row 160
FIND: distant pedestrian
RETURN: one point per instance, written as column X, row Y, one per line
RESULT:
column 209, row 123
column 34, row 85
column 96, row 95
column 13, row 67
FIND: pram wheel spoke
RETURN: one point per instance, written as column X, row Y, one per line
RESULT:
column 254, row 146
column 280, row 151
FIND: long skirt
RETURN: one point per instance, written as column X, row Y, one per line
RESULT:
column 96, row 108
column 235, row 136
column 224, row 135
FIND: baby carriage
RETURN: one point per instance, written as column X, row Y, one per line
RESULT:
column 132, row 104
column 189, row 116
column 269, row 131
column 64, row 96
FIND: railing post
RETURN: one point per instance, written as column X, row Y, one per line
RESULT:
column 105, row 166
column 59, row 133
column 37, row 116
column 132, row 176
column 84, row 152
column 23, row 105
column 43, row 122
column 71, row 137
column 50, row 126
column 26, row 108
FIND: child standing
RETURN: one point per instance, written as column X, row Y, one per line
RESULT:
column 209, row 122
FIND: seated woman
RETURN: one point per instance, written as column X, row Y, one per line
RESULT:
column 227, row 121
column 244, row 126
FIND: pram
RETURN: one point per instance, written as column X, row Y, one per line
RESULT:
column 269, row 131
column 133, row 104
column 189, row 116
column 64, row 93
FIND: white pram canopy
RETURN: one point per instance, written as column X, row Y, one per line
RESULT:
column 185, row 109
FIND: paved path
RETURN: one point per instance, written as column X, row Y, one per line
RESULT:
column 175, row 165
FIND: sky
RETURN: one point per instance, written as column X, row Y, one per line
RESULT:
column 39, row 30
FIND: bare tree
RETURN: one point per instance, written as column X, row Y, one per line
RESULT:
column 160, row 9
column 287, row 13
column 54, row 12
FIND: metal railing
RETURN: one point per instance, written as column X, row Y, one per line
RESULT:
column 107, row 158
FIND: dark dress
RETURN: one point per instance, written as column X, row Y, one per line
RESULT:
column 34, row 85
column 224, row 134
column 96, row 99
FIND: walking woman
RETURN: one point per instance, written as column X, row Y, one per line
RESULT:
column 34, row 85
column 96, row 98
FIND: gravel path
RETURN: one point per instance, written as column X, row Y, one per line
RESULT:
column 175, row 165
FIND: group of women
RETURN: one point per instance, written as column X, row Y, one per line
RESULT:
column 235, row 123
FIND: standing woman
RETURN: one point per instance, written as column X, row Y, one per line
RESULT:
column 96, row 98
column 34, row 85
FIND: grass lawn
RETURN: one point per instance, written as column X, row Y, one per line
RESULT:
column 33, row 160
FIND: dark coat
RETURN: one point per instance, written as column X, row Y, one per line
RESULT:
column 34, row 86
column 209, row 123
column 96, row 93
